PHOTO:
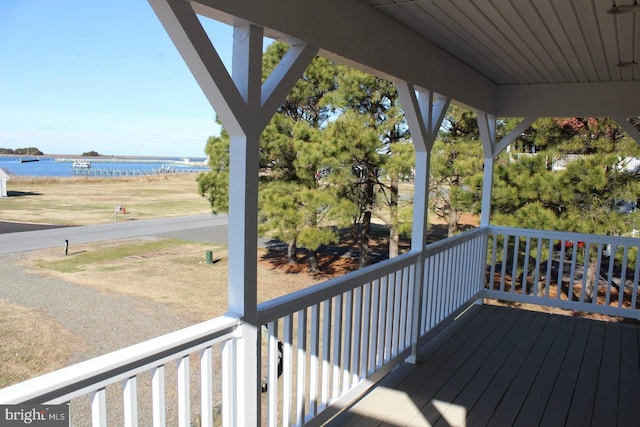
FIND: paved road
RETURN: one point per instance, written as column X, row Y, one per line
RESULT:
column 206, row 228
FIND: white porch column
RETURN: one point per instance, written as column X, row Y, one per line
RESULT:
column 424, row 112
column 487, row 126
column 245, row 105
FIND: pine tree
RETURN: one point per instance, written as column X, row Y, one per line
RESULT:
column 456, row 168
column 215, row 183
column 290, row 156
column 376, row 104
column 354, row 161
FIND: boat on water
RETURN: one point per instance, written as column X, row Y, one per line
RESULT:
column 81, row 164
column 29, row 159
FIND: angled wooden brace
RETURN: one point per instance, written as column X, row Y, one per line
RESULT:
column 628, row 128
column 487, row 127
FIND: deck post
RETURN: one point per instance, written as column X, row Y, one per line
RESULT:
column 487, row 125
column 245, row 106
column 491, row 148
column 424, row 111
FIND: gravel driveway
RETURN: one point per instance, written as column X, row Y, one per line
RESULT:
column 105, row 321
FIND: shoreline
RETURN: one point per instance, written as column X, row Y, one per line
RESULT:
column 104, row 156
column 35, row 179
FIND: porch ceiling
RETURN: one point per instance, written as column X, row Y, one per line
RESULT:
column 516, row 42
column 504, row 57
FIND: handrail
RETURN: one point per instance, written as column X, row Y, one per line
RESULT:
column 565, row 235
column 450, row 242
column 327, row 340
column 67, row 383
column 291, row 303
column 453, row 276
column 573, row 271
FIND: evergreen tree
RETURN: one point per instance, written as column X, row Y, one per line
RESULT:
column 581, row 190
column 215, row 183
column 291, row 154
column 303, row 211
column 456, row 168
column 354, row 161
column 376, row 104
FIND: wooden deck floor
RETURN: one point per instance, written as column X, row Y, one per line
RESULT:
column 500, row 366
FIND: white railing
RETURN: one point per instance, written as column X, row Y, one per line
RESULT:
column 580, row 272
column 334, row 339
column 453, row 276
column 334, row 336
column 114, row 388
column 325, row 345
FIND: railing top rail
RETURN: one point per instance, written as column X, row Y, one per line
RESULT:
column 291, row 303
column 565, row 235
column 449, row 242
column 64, row 384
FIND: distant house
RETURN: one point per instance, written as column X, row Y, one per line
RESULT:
column 3, row 183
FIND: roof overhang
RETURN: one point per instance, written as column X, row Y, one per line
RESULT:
column 357, row 34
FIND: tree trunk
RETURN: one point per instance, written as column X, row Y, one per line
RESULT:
column 291, row 252
column 365, row 231
column 593, row 280
column 313, row 261
column 394, row 242
column 453, row 222
column 394, row 236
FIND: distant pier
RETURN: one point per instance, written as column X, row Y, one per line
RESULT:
column 107, row 172
column 129, row 160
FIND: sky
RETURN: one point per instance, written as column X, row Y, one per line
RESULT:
column 95, row 75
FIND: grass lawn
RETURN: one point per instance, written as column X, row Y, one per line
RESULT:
column 86, row 200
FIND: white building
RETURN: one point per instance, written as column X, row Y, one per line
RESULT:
column 3, row 183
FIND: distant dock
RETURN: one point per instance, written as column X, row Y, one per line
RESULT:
column 112, row 172
column 129, row 160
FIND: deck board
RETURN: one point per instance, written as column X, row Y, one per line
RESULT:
column 559, row 401
column 492, row 357
column 629, row 377
column 482, row 411
column 507, row 410
column 429, row 399
column 446, row 361
column 581, row 408
column 605, row 407
column 532, row 410
column 502, row 366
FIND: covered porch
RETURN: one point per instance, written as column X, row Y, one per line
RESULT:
column 417, row 323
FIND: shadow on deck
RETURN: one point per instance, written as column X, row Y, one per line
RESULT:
column 502, row 366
